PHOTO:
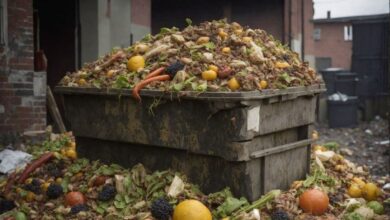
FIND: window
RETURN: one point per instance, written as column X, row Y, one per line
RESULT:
column 317, row 34
column 348, row 32
column 3, row 20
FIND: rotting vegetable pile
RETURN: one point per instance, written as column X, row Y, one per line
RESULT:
column 58, row 185
column 214, row 56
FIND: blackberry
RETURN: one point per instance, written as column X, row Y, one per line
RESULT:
column 54, row 191
column 6, row 205
column 34, row 186
column 54, row 170
column 107, row 193
column 280, row 215
column 161, row 209
column 174, row 68
column 78, row 208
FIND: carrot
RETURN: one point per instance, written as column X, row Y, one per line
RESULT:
column 34, row 165
column 154, row 73
column 145, row 82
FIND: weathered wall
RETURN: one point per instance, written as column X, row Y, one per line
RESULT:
column 333, row 45
column 140, row 18
column 22, row 91
column 104, row 25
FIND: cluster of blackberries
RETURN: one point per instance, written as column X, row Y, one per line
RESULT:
column 107, row 193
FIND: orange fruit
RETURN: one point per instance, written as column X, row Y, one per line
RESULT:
column 226, row 50
column 282, row 65
column 314, row 201
column 263, row 84
column 209, row 75
column 213, row 68
column 233, row 84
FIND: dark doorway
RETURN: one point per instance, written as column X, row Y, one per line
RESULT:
column 264, row 14
column 370, row 56
column 55, row 33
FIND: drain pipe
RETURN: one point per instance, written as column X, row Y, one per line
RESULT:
column 303, row 29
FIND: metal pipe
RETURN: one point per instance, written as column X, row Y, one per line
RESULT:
column 303, row 29
column 289, row 22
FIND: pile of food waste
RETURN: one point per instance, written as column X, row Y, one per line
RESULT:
column 59, row 185
column 214, row 56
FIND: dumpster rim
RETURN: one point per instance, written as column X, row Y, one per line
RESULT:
column 235, row 96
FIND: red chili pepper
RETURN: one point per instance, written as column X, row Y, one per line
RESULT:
column 145, row 82
column 34, row 165
column 154, row 73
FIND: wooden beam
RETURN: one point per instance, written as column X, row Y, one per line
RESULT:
column 54, row 112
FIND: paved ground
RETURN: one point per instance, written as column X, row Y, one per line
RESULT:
column 366, row 144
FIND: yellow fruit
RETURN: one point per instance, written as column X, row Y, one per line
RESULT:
column 222, row 33
column 30, row 197
column 263, row 84
column 282, row 65
column 214, row 68
column 191, row 210
column 359, row 182
column 72, row 154
column 44, row 186
column 59, row 180
column 136, row 63
column 110, row 73
column 340, row 168
column 246, row 39
column 233, row 84
column 203, row 40
column 73, row 145
column 226, row 50
column 370, row 192
column 28, row 181
column 81, row 82
column 354, row 191
column 209, row 75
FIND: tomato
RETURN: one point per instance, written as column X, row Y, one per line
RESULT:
column 74, row 198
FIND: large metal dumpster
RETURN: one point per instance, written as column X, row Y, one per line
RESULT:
column 249, row 141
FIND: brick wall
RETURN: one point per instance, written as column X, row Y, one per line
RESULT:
column 333, row 45
column 22, row 91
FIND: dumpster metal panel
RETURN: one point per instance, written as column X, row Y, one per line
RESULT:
column 206, row 123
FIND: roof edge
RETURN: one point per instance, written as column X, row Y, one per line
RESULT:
column 352, row 18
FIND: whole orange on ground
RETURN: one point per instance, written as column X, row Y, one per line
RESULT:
column 314, row 201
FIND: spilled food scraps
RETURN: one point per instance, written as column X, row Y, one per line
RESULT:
column 67, row 187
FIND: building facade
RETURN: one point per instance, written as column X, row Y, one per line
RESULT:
column 22, row 90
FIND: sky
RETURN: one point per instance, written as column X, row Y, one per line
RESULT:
column 345, row 8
